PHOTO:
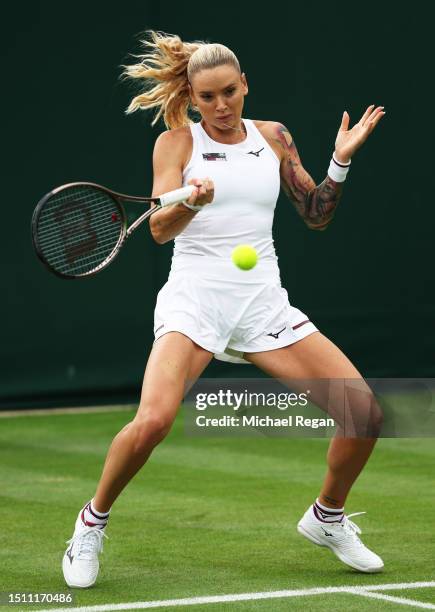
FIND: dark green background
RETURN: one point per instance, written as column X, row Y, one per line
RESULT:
column 366, row 282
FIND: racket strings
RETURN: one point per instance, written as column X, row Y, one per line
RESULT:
column 54, row 249
column 78, row 229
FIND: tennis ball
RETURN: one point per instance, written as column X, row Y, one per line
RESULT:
column 244, row 257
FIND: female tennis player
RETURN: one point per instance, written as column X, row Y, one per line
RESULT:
column 210, row 307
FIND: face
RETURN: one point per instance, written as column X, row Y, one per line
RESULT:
column 219, row 93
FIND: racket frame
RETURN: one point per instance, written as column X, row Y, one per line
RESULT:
column 125, row 232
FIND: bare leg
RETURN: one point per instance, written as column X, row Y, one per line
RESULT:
column 346, row 458
column 173, row 360
column 315, row 357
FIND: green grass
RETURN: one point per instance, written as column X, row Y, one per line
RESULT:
column 206, row 516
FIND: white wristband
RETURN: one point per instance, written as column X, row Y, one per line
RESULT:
column 194, row 207
column 338, row 171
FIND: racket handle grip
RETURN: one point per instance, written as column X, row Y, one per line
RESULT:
column 176, row 196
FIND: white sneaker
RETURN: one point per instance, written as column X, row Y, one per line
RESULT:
column 80, row 562
column 342, row 539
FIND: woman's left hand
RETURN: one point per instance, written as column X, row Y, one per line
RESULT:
column 349, row 141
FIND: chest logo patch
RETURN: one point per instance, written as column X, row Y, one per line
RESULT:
column 214, row 156
column 256, row 153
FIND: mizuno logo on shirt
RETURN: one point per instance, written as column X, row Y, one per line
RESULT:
column 256, row 153
column 214, row 157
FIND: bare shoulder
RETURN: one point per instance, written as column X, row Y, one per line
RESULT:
column 174, row 145
column 267, row 127
column 274, row 132
column 174, row 137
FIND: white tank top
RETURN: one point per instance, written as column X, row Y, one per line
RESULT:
column 247, row 183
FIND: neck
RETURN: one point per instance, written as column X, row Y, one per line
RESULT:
column 230, row 135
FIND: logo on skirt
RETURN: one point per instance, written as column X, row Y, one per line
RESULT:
column 276, row 335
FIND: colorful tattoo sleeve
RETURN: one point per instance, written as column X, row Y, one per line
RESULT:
column 315, row 204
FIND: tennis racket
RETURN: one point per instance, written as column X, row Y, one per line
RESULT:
column 78, row 229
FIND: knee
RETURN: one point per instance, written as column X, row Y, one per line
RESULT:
column 376, row 419
column 367, row 418
column 148, row 431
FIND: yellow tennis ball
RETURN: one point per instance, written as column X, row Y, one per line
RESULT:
column 244, row 257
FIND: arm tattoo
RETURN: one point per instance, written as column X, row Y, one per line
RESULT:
column 315, row 204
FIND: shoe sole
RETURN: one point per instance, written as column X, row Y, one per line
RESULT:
column 367, row 570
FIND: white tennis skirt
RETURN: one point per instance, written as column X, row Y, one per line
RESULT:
column 226, row 310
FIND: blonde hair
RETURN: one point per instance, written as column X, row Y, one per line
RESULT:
column 166, row 68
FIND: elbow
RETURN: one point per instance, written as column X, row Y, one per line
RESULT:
column 159, row 235
column 318, row 227
column 319, row 222
column 156, row 233
column 158, row 238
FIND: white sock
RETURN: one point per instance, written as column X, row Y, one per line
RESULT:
column 92, row 518
column 327, row 515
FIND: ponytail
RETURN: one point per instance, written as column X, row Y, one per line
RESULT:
column 166, row 68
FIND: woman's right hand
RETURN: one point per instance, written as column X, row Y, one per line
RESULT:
column 204, row 192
